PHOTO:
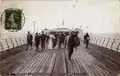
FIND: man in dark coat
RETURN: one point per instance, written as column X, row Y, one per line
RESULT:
column 37, row 41
column 29, row 40
column 86, row 39
column 61, row 39
column 43, row 39
column 66, row 40
column 71, row 45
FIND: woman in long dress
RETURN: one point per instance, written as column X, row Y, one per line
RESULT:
column 50, row 42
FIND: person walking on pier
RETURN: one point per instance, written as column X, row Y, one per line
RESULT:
column 71, row 44
column 50, row 42
column 61, row 39
column 29, row 40
column 43, row 38
column 37, row 41
column 86, row 39
column 39, row 38
column 66, row 41
column 76, row 38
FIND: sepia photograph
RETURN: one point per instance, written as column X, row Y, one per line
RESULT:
column 59, row 37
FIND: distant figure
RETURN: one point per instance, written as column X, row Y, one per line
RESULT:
column 29, row 40
column 50, row 42
column 66, row 41
column 39, row 37
column 54, row 40
column 37, row 41
column 39, row 34
column 43, row 38
column 47, row 37
column 76, row 38
column 86, row 39
column 71, row 44
column 61, row 39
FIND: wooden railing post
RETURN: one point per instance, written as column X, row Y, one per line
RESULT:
column 20, row 41
column 7, row 43
column 12, row 42
column 16, row 41
column 23, row 41
column 112, row 43
column 103, row 41
column 118, row 47
column 100, row 40
column 1, row 46
column 108, row 41
column 92, row 39
column 97, row 40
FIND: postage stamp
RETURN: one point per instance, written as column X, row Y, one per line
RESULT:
column 13, row 19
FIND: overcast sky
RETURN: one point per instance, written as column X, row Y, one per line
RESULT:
column 101, row 16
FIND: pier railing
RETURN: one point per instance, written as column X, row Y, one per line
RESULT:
column 110, row 43
column 9, row 43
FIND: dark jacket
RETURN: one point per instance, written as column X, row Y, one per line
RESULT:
column 29, row 38
column 71, row 42
column 43, row 37
column 86, row 37
column 37, row 39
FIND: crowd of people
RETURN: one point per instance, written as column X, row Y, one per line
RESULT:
column 57, row 40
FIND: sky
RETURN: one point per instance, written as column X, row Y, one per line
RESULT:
column 96, row 16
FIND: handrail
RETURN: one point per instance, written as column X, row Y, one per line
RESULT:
column 9, row 43
column 106, row 42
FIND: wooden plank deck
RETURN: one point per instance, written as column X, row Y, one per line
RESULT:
column 52, row 63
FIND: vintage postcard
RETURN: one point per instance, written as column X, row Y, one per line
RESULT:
column 59, row 37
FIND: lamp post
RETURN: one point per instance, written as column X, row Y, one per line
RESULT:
column 74, row 6
column 62, row 23
column 86, row 28
column 34, row 23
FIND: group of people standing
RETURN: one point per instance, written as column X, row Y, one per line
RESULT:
column 40, row 39
column 61, row 40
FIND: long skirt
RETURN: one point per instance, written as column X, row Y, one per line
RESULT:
column 50, row 44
